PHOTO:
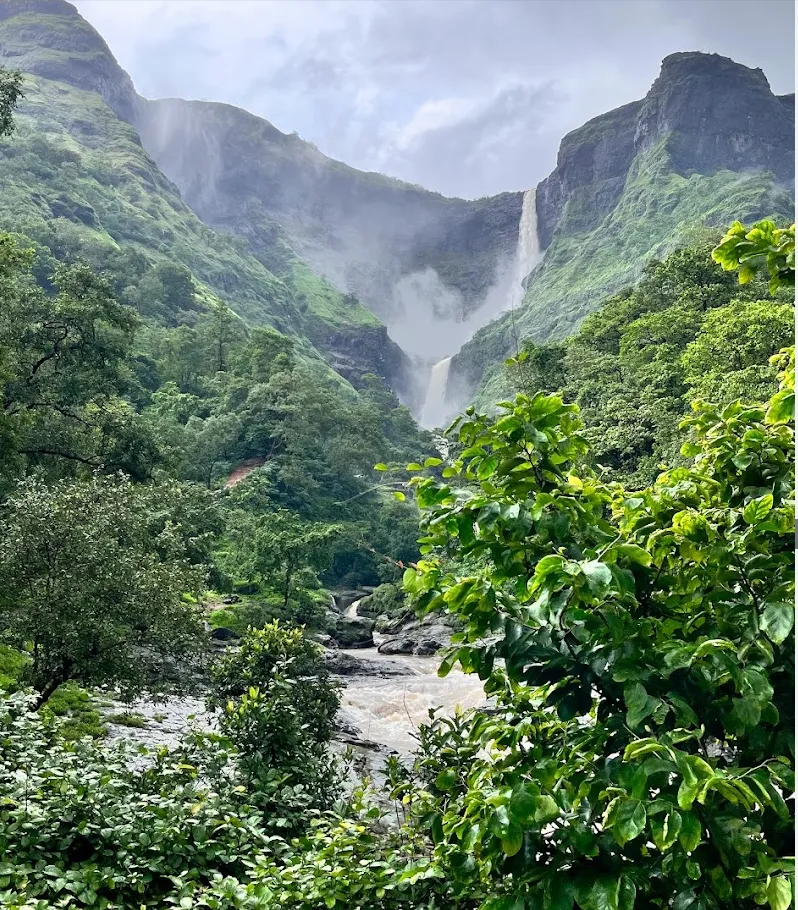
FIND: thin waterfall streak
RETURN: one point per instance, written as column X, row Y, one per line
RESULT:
column 433, row 414
column 528, row 253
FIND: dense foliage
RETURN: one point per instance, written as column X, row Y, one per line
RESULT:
column 637, row 640
column 688, row 329
column 93, row 581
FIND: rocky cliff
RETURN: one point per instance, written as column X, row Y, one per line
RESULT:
column 363, row 231
column 335, row 246
column 709, row 143
column 49, row 38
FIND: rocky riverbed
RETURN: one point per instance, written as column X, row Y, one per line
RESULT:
column 384, row 700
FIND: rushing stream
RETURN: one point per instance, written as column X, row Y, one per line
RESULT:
column 389, row 711
column 385, row 711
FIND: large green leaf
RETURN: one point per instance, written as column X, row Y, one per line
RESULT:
column 779, row 893
column 777, row 621
column 626, row 818
column 638, row 702
column 758, row 509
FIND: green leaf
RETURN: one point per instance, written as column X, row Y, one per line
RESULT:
column 505, row 902
column 605, row 893
column 633, row 553
column 433, row 462
column 626, row 818
column 758, row 509
column 414, row 466
column 745, row 714
column 546, row 810
column 523, row 803
column 638, row 703
column 782, row 407
column 513, row 840
column 665, row 829
column 598, row 575
column 380, row 467
column 779, row 893
column 400, row 496
column 690, row 833
column 487, row 467
column 777, row 621
column 446, row 779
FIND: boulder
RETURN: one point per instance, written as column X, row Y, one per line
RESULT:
column 420, row 638
column 427, row 647
column 224, row 634
column 353, row 632
column 401, row 645
column 323, row 639
column 231, row 599
column 392, row 625
column 341, row 664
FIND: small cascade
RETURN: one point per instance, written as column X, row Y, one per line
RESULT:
column 528, row 253
column 434, row 412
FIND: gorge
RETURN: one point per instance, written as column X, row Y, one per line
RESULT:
column 346, row 255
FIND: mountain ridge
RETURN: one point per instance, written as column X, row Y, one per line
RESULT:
column 709, row 142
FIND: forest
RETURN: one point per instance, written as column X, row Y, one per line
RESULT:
column 613, row 544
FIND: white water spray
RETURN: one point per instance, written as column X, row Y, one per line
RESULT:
column 433, row 413
column 528, row 253
column 506, row 294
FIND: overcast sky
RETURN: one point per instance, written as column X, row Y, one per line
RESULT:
column 467, row 97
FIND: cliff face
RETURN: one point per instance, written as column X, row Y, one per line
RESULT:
column 365, row 232
column 708, row 144
column 723, row 116
column 50, row 39
column 594, row 160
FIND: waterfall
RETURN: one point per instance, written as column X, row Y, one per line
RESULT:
column 433, row 413
column 528, row 253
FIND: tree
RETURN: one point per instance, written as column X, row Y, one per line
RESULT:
column 284, row 545
column 94, row 581
column 728, row 358
column 10, row 94
column 640, row 646
column 64, row 375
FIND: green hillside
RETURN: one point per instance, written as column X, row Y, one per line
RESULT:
column 77, row 181
column 658, row 211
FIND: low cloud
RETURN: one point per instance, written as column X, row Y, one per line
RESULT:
column 467, row 98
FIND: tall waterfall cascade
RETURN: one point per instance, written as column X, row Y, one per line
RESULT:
column 528, row 253
column 434, row 411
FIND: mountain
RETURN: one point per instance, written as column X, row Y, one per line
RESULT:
column 708, row 144
column 410, row 255
column 335, row 256
column 76, row 178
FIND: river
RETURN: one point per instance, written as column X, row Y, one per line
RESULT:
column 389, row 711
column 386, row 711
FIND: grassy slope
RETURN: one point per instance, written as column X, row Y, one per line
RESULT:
column 658, row 212
column 72, row 158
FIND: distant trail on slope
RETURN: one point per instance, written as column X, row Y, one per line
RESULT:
column 243, row 470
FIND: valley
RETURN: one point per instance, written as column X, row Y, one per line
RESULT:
column 271, row 635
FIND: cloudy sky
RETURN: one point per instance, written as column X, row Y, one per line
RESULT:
column 467, row 97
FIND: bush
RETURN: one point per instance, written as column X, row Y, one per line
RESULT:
column 641, row 649
column 386, row 599
column 278, row 708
